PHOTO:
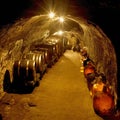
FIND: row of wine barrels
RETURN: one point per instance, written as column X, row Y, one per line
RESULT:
column 53, row 48
column 51, row 51
column 56, row 46
column 24, row 72
column 55, row 55
column 47, row 52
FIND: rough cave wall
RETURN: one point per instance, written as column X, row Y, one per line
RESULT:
column 101, row 51
column 14, row 42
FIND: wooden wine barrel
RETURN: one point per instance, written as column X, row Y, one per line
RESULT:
column 48, row 56
column 27, row 72
column 37, row 58
column 46, row 51
column 16, row 67
column 103, row 103
column 53, row 46
column 24, row 72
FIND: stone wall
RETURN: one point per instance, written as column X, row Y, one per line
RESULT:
column 101, row 51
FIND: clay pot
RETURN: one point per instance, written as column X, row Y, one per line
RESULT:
column 89, row 69
column 100, row 86
column 97, row 87
column 87, row 61
column 103, row 103
column 89, row 73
